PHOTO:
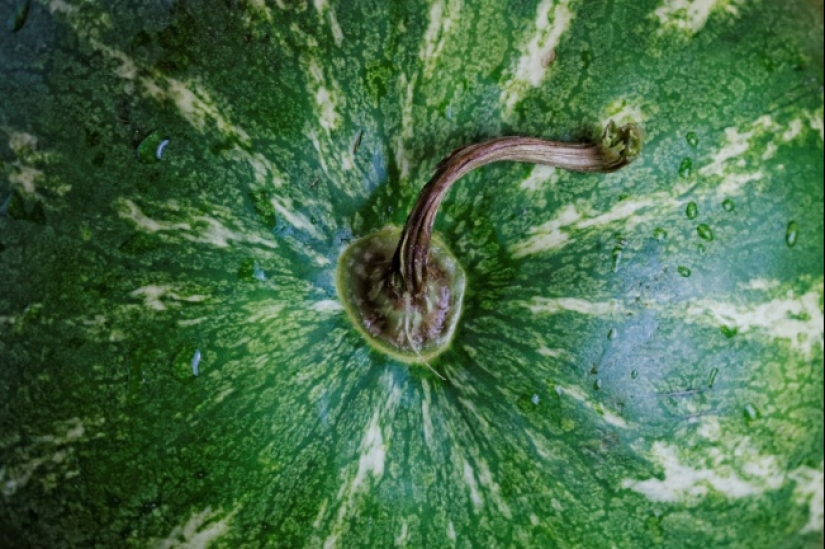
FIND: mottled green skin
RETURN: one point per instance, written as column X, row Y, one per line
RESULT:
column 260, row 444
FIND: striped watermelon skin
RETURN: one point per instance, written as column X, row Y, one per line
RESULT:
column 639, row 362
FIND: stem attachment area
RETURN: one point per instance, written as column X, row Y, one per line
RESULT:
column 403, row 289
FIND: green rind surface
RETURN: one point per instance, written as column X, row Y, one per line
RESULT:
column 596, row 397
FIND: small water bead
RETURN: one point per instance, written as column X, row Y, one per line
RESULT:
column 527, row 404
column 701, row 249
column 159, row 150
column 4, row 206
column 684, row 271
column 150, row 149
column 705, row 232
column 653, row 524
column 597, row 384
column 185, row 365
column 634, row 374
column 17, row 18
column 712, row 377
column 196, row 361
column 686, row 168
column 791, row 234
column 728, row 205
column 587, row 58
column 729, row 331
column 356, row 144
column 659, row 234
column 249, row 269
column 751, row 413
column 613, row 333
column 692, row 211
column 692, row 139
column 258, row 273
column 617, row 258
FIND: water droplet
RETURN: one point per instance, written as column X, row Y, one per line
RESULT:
column 196, row 361
column 535, row 400
column 728, row 205
column 613, row 333
column 684, row 271
column 18, row 16
column 250, row 270
column 692, row 211
column 617, row 258
column 159, row 151
column 712, row 377
column 186, row 364
column 751, row 413
column 634, row 374
column 729, row 331
column 597, row 384
column 653, row 524
column 701, row 249
column 257, row 272
column 526, row 404
column 659, row 234
column 791, row 234
column 705, row 232
column 686, row 168
column 356, row 144
column 692, row 139
column 147, row 149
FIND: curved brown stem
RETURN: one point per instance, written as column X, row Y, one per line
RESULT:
column 618, row 147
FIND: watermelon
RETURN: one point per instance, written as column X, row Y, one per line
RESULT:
column 638, row 356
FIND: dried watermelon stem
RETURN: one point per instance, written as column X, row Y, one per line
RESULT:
column 617, row 148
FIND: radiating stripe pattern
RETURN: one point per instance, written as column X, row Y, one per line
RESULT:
column 639, row 361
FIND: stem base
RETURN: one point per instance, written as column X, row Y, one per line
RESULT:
column 412, row 328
